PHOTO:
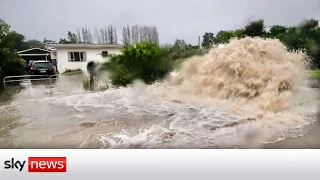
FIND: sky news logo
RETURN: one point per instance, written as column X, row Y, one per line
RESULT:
column 38, row 164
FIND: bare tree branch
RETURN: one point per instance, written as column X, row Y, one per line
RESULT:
column 97, row 36
column 102, row 36
column 89, row 36
column 79, row 39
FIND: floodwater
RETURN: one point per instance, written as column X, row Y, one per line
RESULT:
column 63, row 115
column 252, row 101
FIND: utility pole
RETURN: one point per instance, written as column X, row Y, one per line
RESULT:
column 199, row 42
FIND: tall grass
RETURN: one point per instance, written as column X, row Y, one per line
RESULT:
column 72, row 70
column 315, row 74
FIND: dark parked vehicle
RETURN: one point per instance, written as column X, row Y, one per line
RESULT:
column 42, row 68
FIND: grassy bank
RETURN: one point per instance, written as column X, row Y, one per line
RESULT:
column 315, row 74
column 72, row 71
column 177, row 63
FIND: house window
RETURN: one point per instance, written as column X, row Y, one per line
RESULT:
column 105, row 53
column 77, row 56
column 71, row 56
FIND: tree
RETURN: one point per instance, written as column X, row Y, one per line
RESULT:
column 63, row 41
column 85, row 36
column 135, row 36
column 308, row 24
column 153, row 34
column 146, row 33
column 128, row 35
column 46, row 41
column 105, row 35
column 308, row 34
column 89, row 36
column 303, row 37
column 208, row 40
column 239, row 33
column 102, row 36
column 125, row 39
column 293, row 39
column 224, row 36
column 179, row 44
column 72, row 37
column 15, row 41
column 10, row 62
column 313, row 45
column 4, row 29
column 79, row 39
column 115, row 35
column 182, row 50
column 33, row 43
column 97, row 36
column 255, row 28
column 277, row 31
column 112, row 34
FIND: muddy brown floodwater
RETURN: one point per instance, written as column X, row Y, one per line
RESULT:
column 250, row 93
column 64, row 115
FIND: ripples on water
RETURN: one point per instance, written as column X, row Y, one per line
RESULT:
column 126, row 118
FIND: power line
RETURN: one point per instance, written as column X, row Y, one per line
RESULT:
column 283, row 4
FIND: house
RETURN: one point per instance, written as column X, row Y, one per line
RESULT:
column 35, row 54
column 76, row 56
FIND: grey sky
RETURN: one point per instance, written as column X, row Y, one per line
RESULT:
column 184, row 19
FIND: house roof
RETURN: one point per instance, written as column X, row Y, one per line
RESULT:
column 91, row 46
column 32, row 50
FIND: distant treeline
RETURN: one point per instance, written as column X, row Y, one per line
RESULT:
column 109, row 35
column 305, row 36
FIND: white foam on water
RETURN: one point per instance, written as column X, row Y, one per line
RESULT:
column 241, row 94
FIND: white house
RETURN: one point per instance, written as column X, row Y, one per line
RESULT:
column 74, row 56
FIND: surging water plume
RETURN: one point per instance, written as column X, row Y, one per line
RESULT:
column 249, row 69
column 215, row 101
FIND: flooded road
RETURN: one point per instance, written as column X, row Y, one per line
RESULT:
column 21, row 112
column 64, row 115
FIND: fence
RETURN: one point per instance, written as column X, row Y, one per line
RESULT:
column 29, row 77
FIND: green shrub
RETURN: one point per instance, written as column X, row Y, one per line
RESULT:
column 185, row 52
column 85, row 84
column 72, row 70
column 177, row 63
column 15, row 67
column 145, row 61
column 103, row 88
column 315, row 74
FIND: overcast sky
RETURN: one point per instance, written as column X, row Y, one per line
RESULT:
column 184, row 19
